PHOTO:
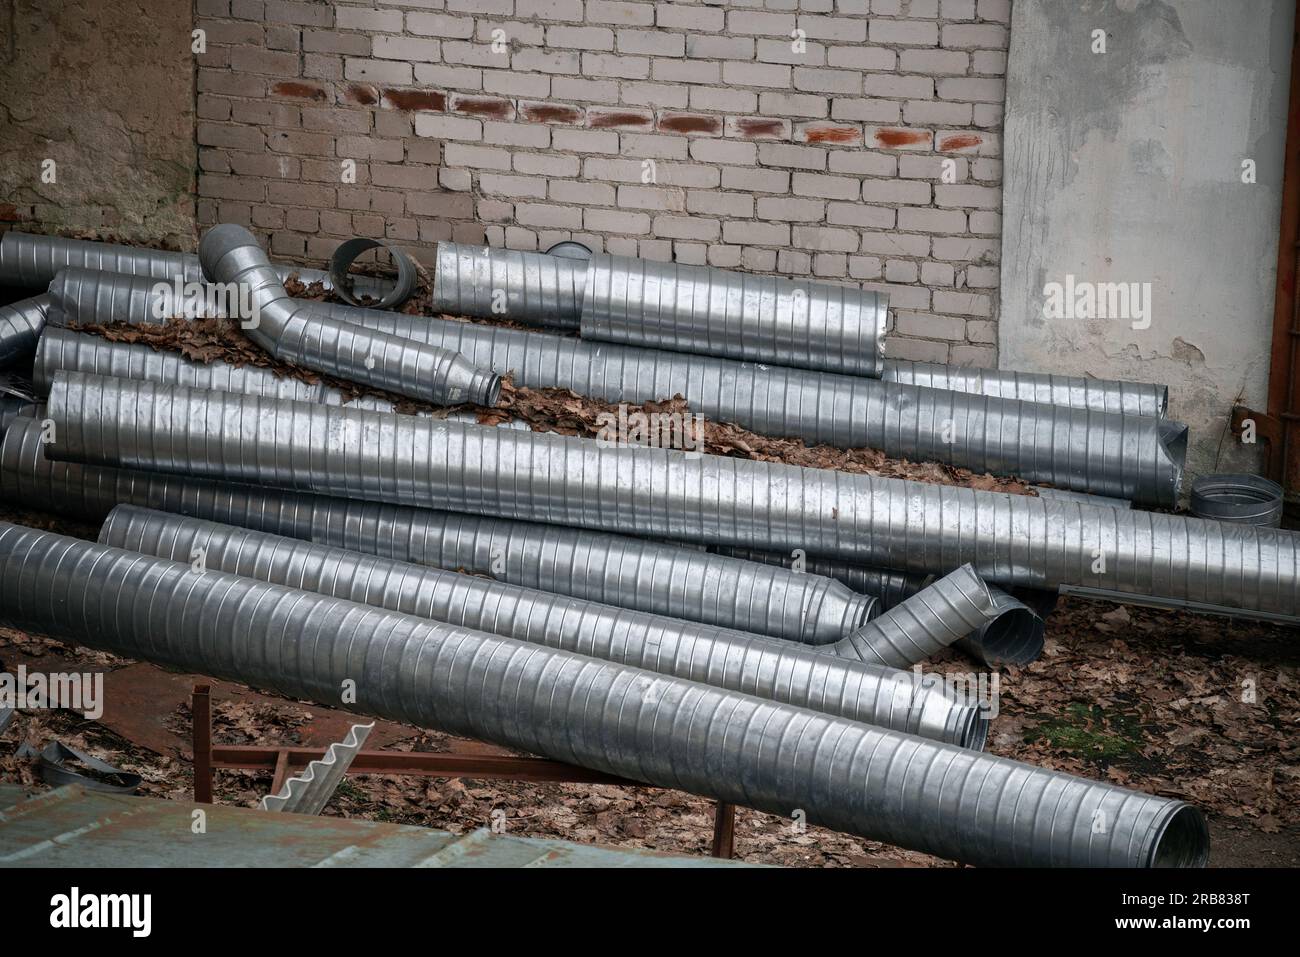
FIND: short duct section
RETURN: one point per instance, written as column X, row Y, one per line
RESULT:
column 775, row 670
column 707, row 499
column 880, row 784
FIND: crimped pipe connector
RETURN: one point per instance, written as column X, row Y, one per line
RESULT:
column 778, row 671
column 31, row 261
column 943, row 614
column 1010, row 539
column 62, row 350
column 616, row 570
column 492, row 283
column 292, row 331
column 1122, row 455
column 718, row 312
column 20, row 326
column 880, row 784
column 1075, row 392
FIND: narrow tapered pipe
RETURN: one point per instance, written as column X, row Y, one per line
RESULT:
column 776, row 670
column 880, row 784
column 942, row 614
column 561, row 480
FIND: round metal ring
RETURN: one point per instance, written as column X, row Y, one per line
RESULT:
column 1246, row 499
column 570, row 249
column 347, row 254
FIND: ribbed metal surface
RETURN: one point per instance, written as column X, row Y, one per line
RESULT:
column 940, row 615
column 880, row 784
column 508, row 284
column 31, row 261
column 911, row 526
column 1125, row 456
column 611, row 569
column 776, row 670
column 291, row 330
column 717, row 312
column 20, row 325
column 88, row 296
column 1075, row 392
column 888, row 587
column 11, row 408
column 62, row 350
column 309, row 792
column 1249, row 499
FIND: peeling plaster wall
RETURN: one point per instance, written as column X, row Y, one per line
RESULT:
column 105, row 88
column 1126, row 166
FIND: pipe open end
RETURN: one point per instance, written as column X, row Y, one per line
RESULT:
column 977, row 731
column 1013, row 638
column 486, row 389
column 1183, row 841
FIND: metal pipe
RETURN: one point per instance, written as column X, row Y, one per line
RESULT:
column 31, row 261
column 62, row 350
column 293, row 331
column 880, row 784
column 611, row 569
column 912, row 526
column 1128, row 457
column 888, row 587
column 1075, row 392
column 775, row 670
column 20, row 325
column 942, row 614
column 489, row 283
column 718, row 312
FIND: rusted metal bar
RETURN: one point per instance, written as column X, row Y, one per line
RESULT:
column 282, row 772
column 724, row 831
column 201, row 716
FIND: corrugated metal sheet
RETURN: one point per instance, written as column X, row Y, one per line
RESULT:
column 72, row 827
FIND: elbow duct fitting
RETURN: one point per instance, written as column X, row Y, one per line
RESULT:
column 20, row 327
column 956, row 606
column 1127, row 456
column 716, row 312
column 709, row 499
column 611, row 569
column 777, row 671
column 31, row 261
column 1075, row 392
column 527, row 287
column 880, row 784
column 290, row 330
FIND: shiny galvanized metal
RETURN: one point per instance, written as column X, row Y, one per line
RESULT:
column 1075, row 392
column 718, row 312
column 911, row 526
column 958, row 605
column 291, row 330
column 1127, row 456
column 880, row 784
column 14, row 407
column 62, row 350
column 20, row 325
column 309, row 792
column 888, row 587
column 73, row 828
column 529, row 287
column 775, row 670
column 31, row 261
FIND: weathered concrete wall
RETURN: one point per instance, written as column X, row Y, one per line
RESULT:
column 105, row 89
column 1126, row 166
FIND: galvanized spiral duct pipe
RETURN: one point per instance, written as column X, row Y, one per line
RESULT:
column 610, row 569
column 62, row 350
column 1076, row 392
column 718, row 312
column 492, row 283
column 20, row 325
column 31, row 261
column 777, row 671
column 13, row 407
column 1010, row 539
column 1131, row 457
column 291, row 330
column 890, row 588
column 944, row 613
column 880, row 784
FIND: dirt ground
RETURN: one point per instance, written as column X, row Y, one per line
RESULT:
column 1148, row 699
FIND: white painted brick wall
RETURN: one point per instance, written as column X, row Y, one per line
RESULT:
column 853, row 140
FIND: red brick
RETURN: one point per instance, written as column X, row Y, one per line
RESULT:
column 961, row 141
column 550, row 113
column 759, row 128
column 829, row 133
column 690, row 123
column 897, row 138
column 297, row 89
column 361, row 94
column 619, row 119
column 415, row 99
column 492, row 106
